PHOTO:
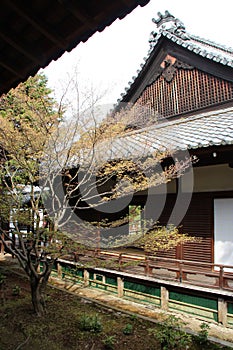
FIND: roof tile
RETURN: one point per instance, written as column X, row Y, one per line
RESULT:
column 194, row 132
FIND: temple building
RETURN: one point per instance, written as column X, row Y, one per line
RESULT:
column 186, row 85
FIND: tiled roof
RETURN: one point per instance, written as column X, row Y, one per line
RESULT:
column 173, row 29
column 202, row 130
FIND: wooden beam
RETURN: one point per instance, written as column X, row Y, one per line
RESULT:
column 128, row 3
column 10, row 68
column 39, row 24
column 17, row 46
column 83, row 17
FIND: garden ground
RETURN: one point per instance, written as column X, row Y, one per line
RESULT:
column 72, row 321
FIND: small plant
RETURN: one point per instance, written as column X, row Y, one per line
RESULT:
column 16, row 290
column 202, row 337
column 109, row 342
column 133, row 317
column 128, row 329
column 90, row 323
column 171, row 335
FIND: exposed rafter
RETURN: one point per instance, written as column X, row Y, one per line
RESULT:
column 38, row 23
column 33, row 33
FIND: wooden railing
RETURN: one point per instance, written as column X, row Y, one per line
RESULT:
column 184, row 271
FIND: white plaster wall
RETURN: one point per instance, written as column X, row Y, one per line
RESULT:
column 211, row 178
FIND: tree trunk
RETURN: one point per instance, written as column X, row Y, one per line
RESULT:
column 37, row 296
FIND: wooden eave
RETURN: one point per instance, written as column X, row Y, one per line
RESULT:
column 33, row 33
column 205, row 155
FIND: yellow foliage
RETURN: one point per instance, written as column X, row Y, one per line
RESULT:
column 163, row 238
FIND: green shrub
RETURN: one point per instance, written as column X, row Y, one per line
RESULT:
column 203, row 333
column 109, row 342
column 171, row 335
column 16, row 290
column 128, row 329
column 133, row 317
column 202, row 339
column 90, row 323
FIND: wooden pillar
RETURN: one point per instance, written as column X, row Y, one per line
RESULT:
column 86, row 276
column 164, row 298
column 59, row 270
column 120, row 287
column 222, row 311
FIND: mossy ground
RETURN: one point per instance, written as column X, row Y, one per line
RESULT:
column 60, row 328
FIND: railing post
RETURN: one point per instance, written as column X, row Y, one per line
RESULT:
column 59, row 270
column 86, row 276
column 120, row 287
column 221, row 277
column 164, row 298
column 120, row 260
column 148, row 269
column 181, row 276
column 97, row 253
column 222, row 311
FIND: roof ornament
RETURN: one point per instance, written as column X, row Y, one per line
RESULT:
column 168, row 22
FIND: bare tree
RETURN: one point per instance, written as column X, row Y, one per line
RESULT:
column 97, row 169
column 62, row 164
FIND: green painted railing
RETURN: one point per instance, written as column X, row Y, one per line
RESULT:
column 199, row 303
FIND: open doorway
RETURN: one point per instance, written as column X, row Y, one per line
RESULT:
column 135, row 219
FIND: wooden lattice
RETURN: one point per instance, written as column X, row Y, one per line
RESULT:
column 188, row 91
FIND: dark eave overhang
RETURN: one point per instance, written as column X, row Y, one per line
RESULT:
column 33, row 33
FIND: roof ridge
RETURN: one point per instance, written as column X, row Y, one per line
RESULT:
column 195, row 117
column 225, row 48
column 172, row 25
column 198, row 116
